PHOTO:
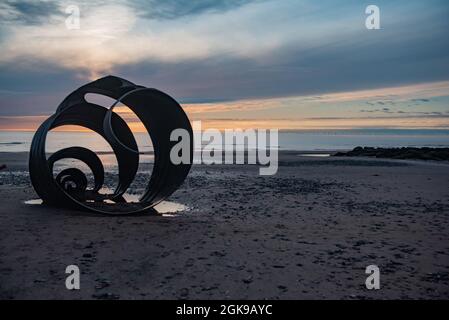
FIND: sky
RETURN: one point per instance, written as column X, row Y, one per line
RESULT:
column 290, row 64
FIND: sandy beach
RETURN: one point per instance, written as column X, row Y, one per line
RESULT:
column 308, row 232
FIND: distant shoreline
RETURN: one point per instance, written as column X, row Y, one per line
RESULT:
column 301, row 141
column 280, row 130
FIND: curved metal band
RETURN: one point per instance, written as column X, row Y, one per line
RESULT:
column 159, row 113
column 85, row 155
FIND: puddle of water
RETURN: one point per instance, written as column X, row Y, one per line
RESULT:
column 165, row 208
column 34, row 201
column 321, row 155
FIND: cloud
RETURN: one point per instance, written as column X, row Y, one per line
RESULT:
column 116, row 34
column 113, row 35
column 398, row 93
column 172, row 9
column 86, row 49
column 422, row 122
column 408, row 114
column 28, row 12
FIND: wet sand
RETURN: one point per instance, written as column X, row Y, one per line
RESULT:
column 307, row 233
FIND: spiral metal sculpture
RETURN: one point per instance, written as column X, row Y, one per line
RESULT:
column 160, row 115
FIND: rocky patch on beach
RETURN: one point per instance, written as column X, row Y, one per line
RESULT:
column 438, row 154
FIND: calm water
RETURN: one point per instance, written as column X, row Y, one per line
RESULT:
column 294, row 140
column 166, row 208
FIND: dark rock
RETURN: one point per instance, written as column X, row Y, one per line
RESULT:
column 106, row 296
column 438, row 154
column 184, row 292
column 248, row 280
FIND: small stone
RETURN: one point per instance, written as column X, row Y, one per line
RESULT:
column 248, row 280
column 106, row 296
column 102, row 283
column 283, row 288
column 218, row 253
column 184, row 292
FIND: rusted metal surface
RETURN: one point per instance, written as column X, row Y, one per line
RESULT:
column 159, row 113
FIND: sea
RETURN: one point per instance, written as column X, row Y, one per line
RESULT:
column 310, row 140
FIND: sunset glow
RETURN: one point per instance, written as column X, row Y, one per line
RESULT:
column 235, row 64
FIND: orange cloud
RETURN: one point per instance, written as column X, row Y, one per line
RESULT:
column 423, row 90
column 31, row 123
column 232, row 114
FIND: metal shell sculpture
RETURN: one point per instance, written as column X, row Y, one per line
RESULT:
column 160, row 115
